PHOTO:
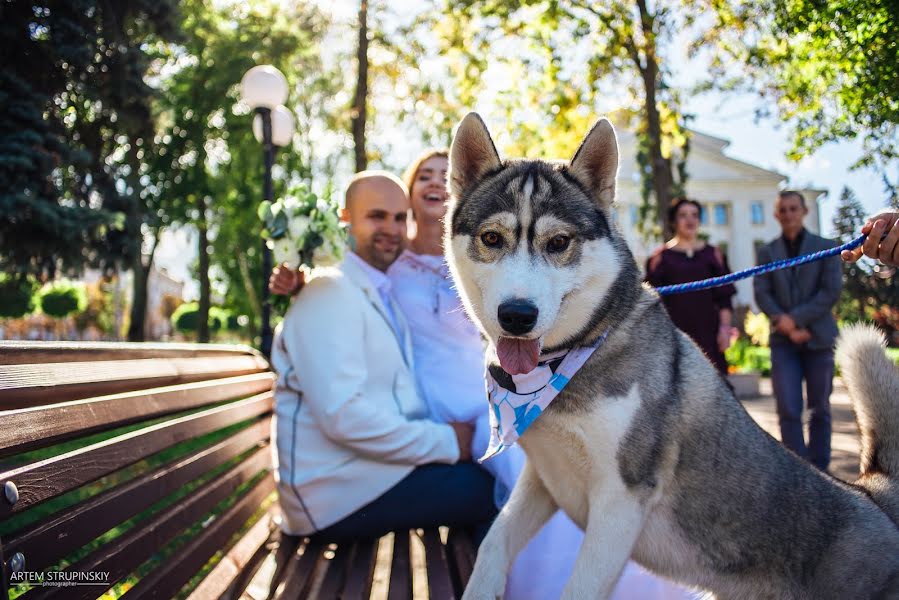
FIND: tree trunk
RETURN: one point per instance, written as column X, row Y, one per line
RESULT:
column 248, row 285
column 203, row 246
column 662, row 177
column 359, row 102
column 137, row 322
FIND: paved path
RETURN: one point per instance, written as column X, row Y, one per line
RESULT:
column 845, row 441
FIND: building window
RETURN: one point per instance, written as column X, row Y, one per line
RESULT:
column 704, row 215
column 721, row 214
column 635, row 215
column 757, row 213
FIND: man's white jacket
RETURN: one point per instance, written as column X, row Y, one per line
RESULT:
column 349, row 423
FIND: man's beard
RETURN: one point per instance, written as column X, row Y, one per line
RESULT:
column 382, row 259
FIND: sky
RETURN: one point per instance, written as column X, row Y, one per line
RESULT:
column 731, row 117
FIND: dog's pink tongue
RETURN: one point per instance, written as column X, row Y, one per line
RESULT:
column 517, row 356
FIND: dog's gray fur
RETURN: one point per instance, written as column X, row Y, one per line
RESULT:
column 647, row 449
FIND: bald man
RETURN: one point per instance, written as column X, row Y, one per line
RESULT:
column 357, row 456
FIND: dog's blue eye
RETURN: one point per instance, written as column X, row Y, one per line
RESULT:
column 558, row 243
column 492, row 239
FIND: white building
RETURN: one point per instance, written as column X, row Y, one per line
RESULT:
column 737, row 198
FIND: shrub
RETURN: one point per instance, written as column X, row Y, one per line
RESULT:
column 743, row 357
column 62, row 298
column 16, row 297
column 185, row 318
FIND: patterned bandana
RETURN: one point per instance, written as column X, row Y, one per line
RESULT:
column 517, row 400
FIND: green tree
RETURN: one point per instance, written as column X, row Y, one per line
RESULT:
column 75, row 103
column 830, row 69
column 870, row 290
column 622, row 45
column 208, row 170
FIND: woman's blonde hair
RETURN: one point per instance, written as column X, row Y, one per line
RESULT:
column 412, row 171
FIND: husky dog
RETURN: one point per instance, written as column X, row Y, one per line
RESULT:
column 647, row 449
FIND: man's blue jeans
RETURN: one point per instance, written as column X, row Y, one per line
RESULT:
column 790, row 364
column 459, row 495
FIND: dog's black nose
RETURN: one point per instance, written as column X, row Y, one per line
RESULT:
column 517, row 316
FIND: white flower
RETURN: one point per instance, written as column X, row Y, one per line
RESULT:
column 322, row 206
column 297, row 227
column 285, row 251
column 291, row 204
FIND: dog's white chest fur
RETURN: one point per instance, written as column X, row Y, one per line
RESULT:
column 575, row 452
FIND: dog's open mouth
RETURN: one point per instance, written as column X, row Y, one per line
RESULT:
column 516, row 355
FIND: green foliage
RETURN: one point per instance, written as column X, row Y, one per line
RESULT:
column 62, row 298
column 76, row 111
column 744, row 357
column 209, row 167
column 16, row 296
column 870, row 290
column 551, row 103
column 186, row 318
column 831, row 69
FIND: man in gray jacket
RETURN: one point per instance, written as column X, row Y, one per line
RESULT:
column 799, row 302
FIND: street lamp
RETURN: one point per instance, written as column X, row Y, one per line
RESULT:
column 264, row 89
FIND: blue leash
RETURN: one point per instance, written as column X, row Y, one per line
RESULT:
column 693, row 286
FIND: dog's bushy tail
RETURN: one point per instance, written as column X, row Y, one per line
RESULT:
column 873, row 383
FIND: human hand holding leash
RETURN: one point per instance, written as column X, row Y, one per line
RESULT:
column 883, row 240
column 286, row 281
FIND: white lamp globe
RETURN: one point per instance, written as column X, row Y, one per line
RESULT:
column 263, row 86
column 282, row 126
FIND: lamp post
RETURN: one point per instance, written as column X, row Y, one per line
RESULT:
column 264, row 89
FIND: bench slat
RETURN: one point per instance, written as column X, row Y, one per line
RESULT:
column 29, row 352
column 335, row 576
column 299, row 571
column 236, row 569
column 26, row 385
column 362, row 570
column 177, row 570
column 440, row 584
column 29, row 428
column 460, row 552
column 54, row 476
column 125, row 553
column 401, row 568
column 45, row 543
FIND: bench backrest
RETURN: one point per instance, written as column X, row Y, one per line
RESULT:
column 139, row 460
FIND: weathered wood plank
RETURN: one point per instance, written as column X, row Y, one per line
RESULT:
column 51, row 477
column 48, row 541
column 28, row 428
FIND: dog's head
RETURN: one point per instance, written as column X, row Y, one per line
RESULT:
column 529, row 242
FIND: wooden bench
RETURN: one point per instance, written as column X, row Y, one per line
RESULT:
column 152, row 462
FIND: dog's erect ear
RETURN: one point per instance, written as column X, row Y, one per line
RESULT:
column 472, row 154
column 595, row 164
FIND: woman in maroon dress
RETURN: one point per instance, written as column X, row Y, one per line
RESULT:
column 704, row 315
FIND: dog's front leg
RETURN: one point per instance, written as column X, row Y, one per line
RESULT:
column 613, row 526
column 529, row 507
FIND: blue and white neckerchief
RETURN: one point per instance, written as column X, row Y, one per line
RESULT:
column 517, row 400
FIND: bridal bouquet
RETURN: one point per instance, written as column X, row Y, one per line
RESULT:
column 303, row 230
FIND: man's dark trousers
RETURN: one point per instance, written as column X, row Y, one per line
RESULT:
column 790, row 364
column 459, row 495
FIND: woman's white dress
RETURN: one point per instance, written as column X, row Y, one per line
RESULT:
column 449, row 369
